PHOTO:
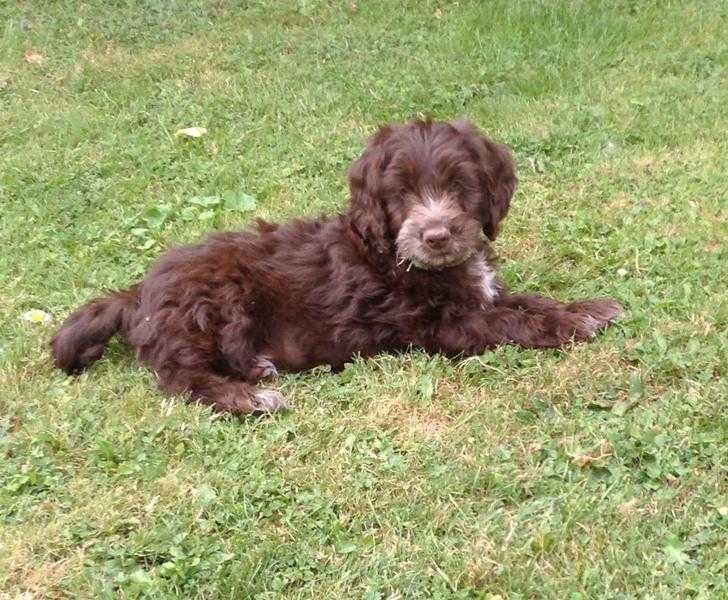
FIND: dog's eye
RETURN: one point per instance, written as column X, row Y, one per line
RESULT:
column 462, row 187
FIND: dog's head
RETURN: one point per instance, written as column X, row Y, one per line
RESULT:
column 425, row 192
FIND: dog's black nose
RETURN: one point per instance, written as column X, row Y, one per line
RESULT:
column 436, row 237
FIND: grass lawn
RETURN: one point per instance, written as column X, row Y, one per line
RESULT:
column 600, row 471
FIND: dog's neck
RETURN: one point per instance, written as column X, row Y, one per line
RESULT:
column 476, row 272
column 475, row 266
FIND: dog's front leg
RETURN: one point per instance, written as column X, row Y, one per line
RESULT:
column 532, row 322
column 603, row 310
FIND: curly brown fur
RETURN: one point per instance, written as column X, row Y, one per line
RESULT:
column 408, row 264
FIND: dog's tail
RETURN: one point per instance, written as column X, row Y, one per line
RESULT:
column 82, row 338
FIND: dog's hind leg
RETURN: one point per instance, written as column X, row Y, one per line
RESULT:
column 219, row 392
column 237, row 347
column 186, row 365
column 262, row 368
column 197, row 364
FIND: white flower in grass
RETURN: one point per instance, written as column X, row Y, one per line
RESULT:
column 36, row 316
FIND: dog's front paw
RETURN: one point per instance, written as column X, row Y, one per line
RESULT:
column 578, row 327
column 603, row 311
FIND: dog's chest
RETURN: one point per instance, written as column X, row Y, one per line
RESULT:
column 443, row 294
column 484, row 280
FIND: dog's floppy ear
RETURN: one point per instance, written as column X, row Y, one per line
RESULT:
column 498, row 176
column 367, row 217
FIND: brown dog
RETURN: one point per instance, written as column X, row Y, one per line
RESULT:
column 406, row 265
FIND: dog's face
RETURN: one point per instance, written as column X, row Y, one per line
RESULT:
column 424, row 193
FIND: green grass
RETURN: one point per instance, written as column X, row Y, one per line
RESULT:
column 597, row 472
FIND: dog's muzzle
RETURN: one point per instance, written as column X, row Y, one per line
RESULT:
column 437, row 235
